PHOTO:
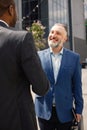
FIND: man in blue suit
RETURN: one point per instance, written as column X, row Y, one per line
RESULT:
column 63, row 69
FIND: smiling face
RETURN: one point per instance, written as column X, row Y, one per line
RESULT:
column 57, row 36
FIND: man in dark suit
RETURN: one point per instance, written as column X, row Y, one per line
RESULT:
column 63, row 69
column 20, row 68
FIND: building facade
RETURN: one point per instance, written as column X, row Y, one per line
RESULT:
column 49, row 12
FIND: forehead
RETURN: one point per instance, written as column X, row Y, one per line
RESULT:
column 58, row 28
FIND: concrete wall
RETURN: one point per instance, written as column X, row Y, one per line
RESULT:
column 19, row 13
column 81, row 48
column 78, row 28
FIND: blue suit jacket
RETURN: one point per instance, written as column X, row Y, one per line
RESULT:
column 67, row 87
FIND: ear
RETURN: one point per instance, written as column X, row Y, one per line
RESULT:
column 11, row 10
column 65, row 39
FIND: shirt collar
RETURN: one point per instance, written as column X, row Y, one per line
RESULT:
column 60, row 53
column 4, row 22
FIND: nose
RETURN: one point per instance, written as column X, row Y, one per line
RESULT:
column 52, row 35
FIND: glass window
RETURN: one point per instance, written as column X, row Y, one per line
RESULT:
column 30, row 9
column 85, row 15
column 58, row 12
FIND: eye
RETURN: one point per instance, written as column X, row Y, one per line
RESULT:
column 52, row 32
column 58, row 33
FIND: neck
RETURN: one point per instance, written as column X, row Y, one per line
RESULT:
column 5, row 19
column 57, row 49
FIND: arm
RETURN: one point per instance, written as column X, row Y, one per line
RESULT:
column 32, row 66
column 77, row 91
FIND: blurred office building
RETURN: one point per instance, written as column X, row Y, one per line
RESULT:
column 49, row 12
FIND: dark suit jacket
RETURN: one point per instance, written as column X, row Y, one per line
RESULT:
column 67, row 88
column 19, row 67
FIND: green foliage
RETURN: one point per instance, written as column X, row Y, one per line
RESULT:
column 38, row 31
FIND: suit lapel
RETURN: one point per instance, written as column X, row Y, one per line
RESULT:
column 49, row 67
column 63, row 63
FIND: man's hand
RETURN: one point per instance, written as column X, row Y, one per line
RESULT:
column 78, row 117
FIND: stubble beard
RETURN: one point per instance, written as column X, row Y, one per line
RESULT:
column 54, row 45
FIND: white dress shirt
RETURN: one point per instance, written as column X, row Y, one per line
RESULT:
column 56, row 62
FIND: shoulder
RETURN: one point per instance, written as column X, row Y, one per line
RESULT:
column 17, row 33
column 23, row 36
column 12, row 32
column 42, row 52
column 72, row 57
column 71, row 53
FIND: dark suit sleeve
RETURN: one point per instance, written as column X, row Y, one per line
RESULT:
column 32, row 66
